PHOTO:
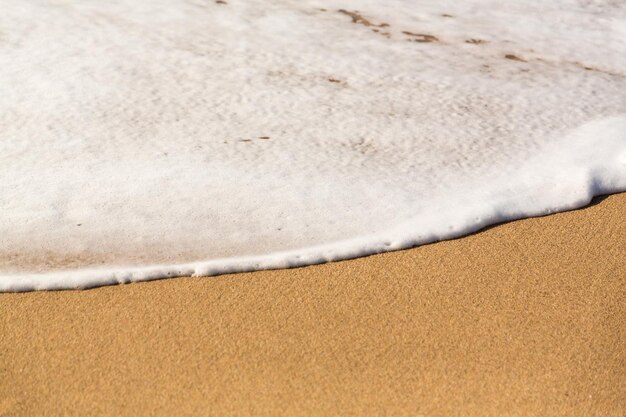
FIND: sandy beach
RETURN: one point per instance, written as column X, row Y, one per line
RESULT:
column 144, row 140
column 523, row 319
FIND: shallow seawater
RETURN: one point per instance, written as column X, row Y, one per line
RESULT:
column 145, row 139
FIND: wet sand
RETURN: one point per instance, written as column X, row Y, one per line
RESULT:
column 523, row 319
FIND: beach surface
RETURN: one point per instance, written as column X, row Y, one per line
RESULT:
column 523, row 319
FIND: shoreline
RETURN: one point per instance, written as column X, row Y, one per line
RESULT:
column 345, row 250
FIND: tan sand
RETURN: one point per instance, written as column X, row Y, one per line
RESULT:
column 524, row 319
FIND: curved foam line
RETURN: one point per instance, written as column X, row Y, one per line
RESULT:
column 567, row 175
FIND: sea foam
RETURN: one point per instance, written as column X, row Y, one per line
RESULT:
column 150, row 139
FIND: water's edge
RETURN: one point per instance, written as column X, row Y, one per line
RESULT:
column 93, row 278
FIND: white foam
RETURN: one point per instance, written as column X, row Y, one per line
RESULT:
column 132, row 141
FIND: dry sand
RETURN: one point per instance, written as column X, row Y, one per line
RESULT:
column 523, row 319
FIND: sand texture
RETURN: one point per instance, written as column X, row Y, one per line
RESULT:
column 523, row 319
